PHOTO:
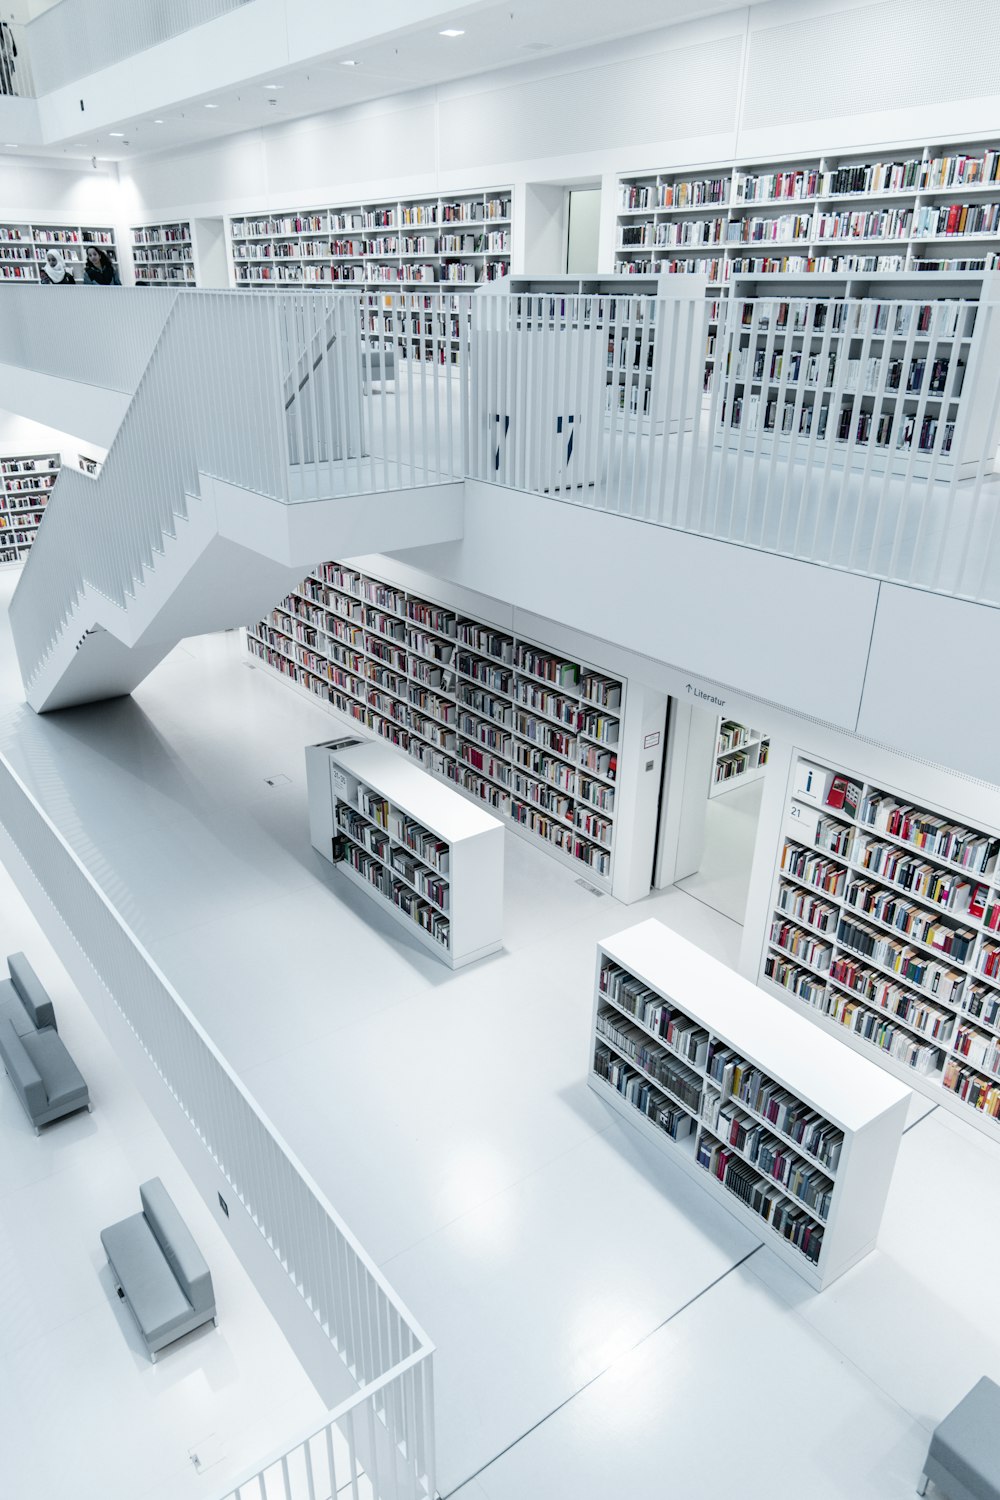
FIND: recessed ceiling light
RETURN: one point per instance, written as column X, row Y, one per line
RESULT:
column 119, row 133
column 157, row 122
column 274, row 85
column 450, row 31
column 211, row 106
column 11, row 145
column 348, row 62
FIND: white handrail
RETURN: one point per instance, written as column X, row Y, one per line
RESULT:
column 369, row 1328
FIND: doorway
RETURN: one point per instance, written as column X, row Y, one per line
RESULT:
column 712, row 789
column 210, row 259
column 584, row 231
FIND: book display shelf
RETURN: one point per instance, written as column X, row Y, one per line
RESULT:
column 25, row 483
column 796, row 1137
column 509, row 723
column 740, row 756
column 890, row 369
column 462, row 240
column 23, row 247
column 163, row 255
column 924, row 208
column 412, row 845
column 885, row 929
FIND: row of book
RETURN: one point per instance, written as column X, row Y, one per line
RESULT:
column 807, row 1184
column 458, row 212
column 755, row 1090
column 921, row 970
column 929, row 435
column 905, row 175
column 887, row 995
column 982, row 1094
column 392, row 889
column 931, row 832
column 763, row 1198
column 876, row 374
column 956, row 218
column 668, row 1117
column 946, row 888
column 377, row 656
column 681, row 1034
column 812, row 868
column 894, row 910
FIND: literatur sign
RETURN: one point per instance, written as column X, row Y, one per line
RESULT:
column 697, row 692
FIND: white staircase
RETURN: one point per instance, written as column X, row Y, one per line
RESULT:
column 244, row 456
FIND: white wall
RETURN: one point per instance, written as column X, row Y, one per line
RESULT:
column 782, row 77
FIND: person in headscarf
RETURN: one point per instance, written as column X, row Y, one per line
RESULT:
column 55, row 271
column 99, row 268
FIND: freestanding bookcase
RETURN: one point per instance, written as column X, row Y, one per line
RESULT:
column 418, row 848
column 795, row 1135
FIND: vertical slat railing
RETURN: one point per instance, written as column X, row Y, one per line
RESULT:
column 259, row 1170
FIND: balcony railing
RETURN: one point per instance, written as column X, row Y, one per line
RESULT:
column 79, row 37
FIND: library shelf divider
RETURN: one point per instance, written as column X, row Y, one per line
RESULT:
column 504, row 720
column 23, row 246
column 163, row 254
column 25, row 485
column 884, row 930
column 417, row 848
column 740, row 756
column 796, row 1137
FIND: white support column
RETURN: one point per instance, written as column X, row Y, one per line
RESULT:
column 640, row 758
column 690, row 756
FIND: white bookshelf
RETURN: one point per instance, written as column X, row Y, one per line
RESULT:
column 915, row 208
column 888, row 369
column 25, row 484
column 440, row 240
column 163, row 254
column 509, row 722
column 724, row 1080
column 414, row 846
column 890, row 945
column 740, row 756
column 23, row 247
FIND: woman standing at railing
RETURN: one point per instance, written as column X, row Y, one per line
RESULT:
column 8, row 52
column 99, row 269
column 54, row 270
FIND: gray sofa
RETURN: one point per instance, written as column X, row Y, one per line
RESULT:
column 162, row 1273
column 46, row 1079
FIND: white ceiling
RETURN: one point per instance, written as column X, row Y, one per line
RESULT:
column 495, row 36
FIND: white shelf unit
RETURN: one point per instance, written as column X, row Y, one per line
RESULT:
column 414, row 846
column 910, row 209
column 163, row 254
column 922, row 998
column 705, row 218
column 23, row 247
column 593, row 324
column 508, row 722
column 892, row 370
column 25, row 482
column 740, row 756
column 458, row 240
column 794, row 1136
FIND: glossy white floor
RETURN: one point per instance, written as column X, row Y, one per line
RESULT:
column 82, row 1410
column 601, row 1327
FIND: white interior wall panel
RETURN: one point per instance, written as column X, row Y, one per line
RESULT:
column 782, row 77
column 728, row 613
column 198, row 182
column 664, row 94
column 348, row 153
column 890, row 54
column 929, row 682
